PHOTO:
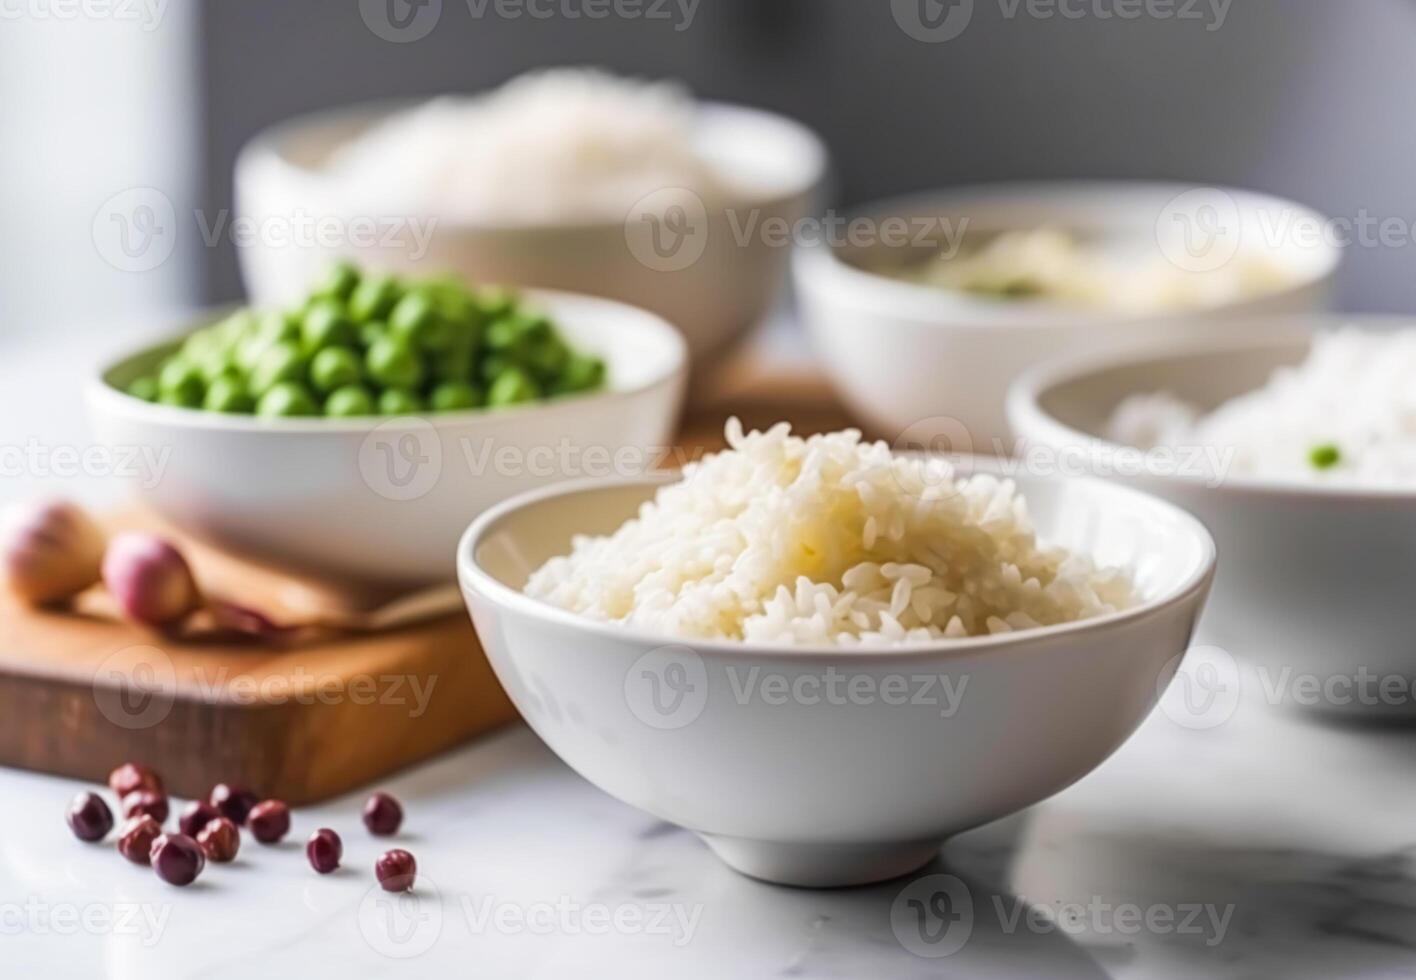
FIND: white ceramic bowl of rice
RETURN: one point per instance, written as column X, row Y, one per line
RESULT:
column 1295, row 442
column 824, row 659
column 905, row 353
column 567, row 179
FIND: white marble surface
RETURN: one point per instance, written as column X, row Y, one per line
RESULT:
column 1264, row 845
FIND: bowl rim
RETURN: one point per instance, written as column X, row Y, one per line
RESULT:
column 823, row 264
column 472, row 578
column 268, row 148
column 102, row 396
column 1023, row 402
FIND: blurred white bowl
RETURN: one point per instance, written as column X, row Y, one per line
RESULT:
column 905, row 355
column 1313, row 581
column 382, row 501
column 706, row 275
column 818, row 790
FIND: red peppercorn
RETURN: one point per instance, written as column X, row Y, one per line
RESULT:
column 383, row 815
column 136, row 839
column 270, row 821
column 89, row 817
column 396, row 871
column 324, row 850
column 177, row 859
column 233, row 802
column 220, row 840
column 132, row 776
column 144, row 802
column 195, row 816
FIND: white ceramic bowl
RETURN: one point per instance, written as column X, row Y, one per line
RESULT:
column 712, row 296
column 382, row 501
column 819, row 788
column 902, row 354
column 1314, row 582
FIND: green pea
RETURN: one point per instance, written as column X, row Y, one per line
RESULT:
column 393, row 364
column 512, row 387
column 581, row 373
column 335, row 367
column 495, row 301
column 374, row 298
column 1325, row 456
column 276, row 326
column 493, row 365
column 454, row 396
column 506, row 333
column 369, row 333
column 348, row 402
column 144, row 388
column 287, row 399
column 218, row 364
column 547, row 358
column 453, row 364
column 415, row 320
column 180, row 382
column 228, row 394
column 399, row 401
column 325, row 325
column 339, row 282
column 279, row 362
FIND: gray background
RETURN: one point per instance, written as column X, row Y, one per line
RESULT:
column 1305, row 98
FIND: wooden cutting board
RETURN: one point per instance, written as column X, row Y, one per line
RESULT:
column 80, row 694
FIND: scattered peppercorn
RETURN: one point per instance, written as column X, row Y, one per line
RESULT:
column 144, row 802
column 220, row 840
column 89, row 817
column 136, row 839
column 233, row 802
column 196, row 816
column 383, row 815
column 177, row 859
column 269, row 821
column 132, row 776
column 396, row 871
column 324, row 850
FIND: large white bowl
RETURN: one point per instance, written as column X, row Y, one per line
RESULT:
column 905, row 356
column 712, row 297
column 1314, row 582
column 382, row 501
column 811, row 788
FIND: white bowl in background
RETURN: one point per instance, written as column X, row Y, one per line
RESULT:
column 902, row 354
column 847, row 789
column 713, row 297
column 382, row 501
column 1314, row 581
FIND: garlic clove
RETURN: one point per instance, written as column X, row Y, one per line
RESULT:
column 50, row 550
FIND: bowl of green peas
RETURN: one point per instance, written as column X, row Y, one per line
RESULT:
column 353, row 435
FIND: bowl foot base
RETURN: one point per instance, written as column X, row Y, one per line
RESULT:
column 821, row 865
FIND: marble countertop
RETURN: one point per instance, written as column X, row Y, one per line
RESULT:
column 1243, row 843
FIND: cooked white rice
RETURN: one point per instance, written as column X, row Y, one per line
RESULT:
column 828, row 540
column 563, row 144
column 1347, row 414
